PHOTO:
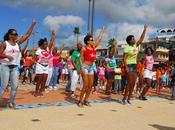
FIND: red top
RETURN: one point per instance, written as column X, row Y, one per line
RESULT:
column 56, row 59
column 89, row 54
column 27, row 61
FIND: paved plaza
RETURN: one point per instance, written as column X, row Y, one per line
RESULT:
column 55, row 111
column 154, row 114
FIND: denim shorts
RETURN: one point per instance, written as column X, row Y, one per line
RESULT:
column 132, row 68
column 88, row 69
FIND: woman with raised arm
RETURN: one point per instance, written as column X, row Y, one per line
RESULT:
column 10, row 53
column 130, row 60
column 43, row 54
column 87, row 57
column 56, row 56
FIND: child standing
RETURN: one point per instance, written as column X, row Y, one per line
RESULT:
column 117, row 79
column 101, row 75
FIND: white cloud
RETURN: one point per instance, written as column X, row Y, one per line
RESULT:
column 116, row 30
column 121, row 30
column 54, row 22
column 147, row 11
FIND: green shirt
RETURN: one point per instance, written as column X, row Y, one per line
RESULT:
column 76, row 57
column 132, row 52
column 118, row 76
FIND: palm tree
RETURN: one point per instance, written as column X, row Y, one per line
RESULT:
column 111, row 44
column 76, row 32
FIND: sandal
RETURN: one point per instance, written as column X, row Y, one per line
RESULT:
column 87, row 103
column 80, row 104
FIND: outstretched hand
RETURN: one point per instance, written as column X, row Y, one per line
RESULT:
column 62, row 46
column 102, row 30
column 33, row 22
column 145, row 26
column 53, row 32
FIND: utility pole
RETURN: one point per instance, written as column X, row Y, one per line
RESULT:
column 93, row 11
column 89, row 13
column 33, row 39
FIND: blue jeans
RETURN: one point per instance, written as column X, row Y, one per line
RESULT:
column 54, row 77
column 117, row 85
column 9, row 73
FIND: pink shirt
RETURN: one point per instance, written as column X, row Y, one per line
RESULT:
column 149, row 61
column 69, row 63
column 101, row 70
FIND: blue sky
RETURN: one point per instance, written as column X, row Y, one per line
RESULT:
column 120, row 17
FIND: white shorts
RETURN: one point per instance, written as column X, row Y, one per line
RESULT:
column 41, row 69
column 148, row 74
column 66, row 71
column 63, row 71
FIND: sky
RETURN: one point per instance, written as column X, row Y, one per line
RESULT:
column 119, row 17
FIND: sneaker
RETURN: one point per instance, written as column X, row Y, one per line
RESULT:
column 55, row 88
column 50, row 88
column 80, row 104
column 11, row 105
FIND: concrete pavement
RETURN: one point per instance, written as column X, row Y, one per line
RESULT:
column 154, row 114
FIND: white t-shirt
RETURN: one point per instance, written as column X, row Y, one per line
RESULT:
column 44, row 56
column 13, row 51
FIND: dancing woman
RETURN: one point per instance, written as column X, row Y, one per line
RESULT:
column 10, row 53
column 130, row 60
column 43, row 54
column 87, row 57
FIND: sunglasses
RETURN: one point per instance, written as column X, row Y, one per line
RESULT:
column 14, row 34
column 91, row 39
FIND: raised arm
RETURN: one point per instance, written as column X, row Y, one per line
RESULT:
column 62, row 48
column 52, row 40
column 142, row 36
column 99, row 38
column 27, row 35
column 25, row 47
column 115, row 51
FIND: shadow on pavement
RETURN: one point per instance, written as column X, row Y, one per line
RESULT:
column 160, row 127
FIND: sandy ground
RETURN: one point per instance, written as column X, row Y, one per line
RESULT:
column 154, row 114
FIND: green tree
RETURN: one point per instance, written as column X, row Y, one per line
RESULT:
column 111, row 44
